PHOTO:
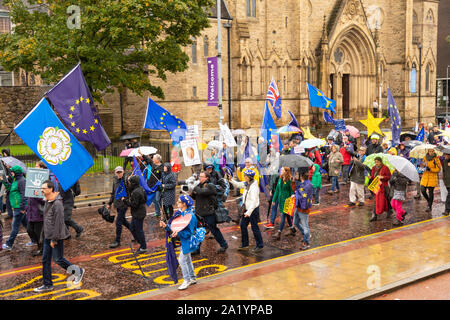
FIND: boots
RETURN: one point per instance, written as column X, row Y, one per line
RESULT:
column 278, row 235
column 373, row 217
column 292, row 229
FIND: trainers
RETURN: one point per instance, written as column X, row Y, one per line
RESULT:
column 184, row 285
column 404, row 215
column 6, row 247
column 397, row 223
column 78, row 279
column 222, row 249
column 30, row 244
column 257, row 249
column 361, row 204
column 241, row 248
column 114, row 244
column 304, row 246
column 269, row 226
column 43, row 288
column 140, row 250
column 428, row 209
column 192, row 281
column 351, row 204
column 316, row 203
column 37, row 253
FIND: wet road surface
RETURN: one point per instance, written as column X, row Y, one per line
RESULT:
column 114, row 273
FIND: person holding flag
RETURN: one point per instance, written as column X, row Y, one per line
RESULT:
column 118, row 198
column 396, row 121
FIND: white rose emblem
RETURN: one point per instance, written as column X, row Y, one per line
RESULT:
column 54, row 145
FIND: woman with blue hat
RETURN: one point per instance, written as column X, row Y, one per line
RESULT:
column 190, row 237
column 250, row 209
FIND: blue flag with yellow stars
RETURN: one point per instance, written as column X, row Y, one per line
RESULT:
column 158, row 118
column 121, row 191
column 396, row 121
column 72, row 99
column 317, row 99
column 150, row 192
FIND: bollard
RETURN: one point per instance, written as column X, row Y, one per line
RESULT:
column 106, row 164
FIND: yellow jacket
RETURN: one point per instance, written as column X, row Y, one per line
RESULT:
column 430, row 177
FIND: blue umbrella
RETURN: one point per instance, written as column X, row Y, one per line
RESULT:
column 11, row 162
column 289, row 129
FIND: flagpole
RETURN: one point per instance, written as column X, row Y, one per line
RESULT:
column 219, row 57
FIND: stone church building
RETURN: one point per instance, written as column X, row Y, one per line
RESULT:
column 352, row 50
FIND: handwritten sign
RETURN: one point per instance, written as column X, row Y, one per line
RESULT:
column 35, row 177
column 374, row 186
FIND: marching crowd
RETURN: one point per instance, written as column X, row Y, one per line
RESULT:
column 340, row 161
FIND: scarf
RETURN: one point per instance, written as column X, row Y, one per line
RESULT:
column 429, row 158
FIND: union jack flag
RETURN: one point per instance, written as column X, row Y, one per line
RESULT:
column 273, row 95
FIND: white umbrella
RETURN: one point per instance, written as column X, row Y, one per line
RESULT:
column 144, row 150
column 215, row 144
column 404, row 166
column 312, row 143
column 238, row 132
column 420, row 151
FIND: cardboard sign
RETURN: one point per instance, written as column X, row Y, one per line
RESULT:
column 374, row 186
column 227, row 135
column 189, row 149
column 35, row 177
column 192, row 132
column 299, row 150
column 289, row 206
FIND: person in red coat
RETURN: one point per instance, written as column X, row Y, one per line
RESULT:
column 381, row 198
column 347, row 152
column 314, row 155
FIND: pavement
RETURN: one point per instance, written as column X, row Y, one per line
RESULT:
column 349, row 258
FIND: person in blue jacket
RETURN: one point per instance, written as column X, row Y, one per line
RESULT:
column 303, row 203
column 188, row 243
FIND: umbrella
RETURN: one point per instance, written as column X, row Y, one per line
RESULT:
column 238, row 132
column 129, row 136
column 405, row 167
column 410, row 134
column 444, row 149
column 295, row 161
column 215, row 144
column 354, row 132
column 412, row 143
column 288, row 130
column 144, row 150
column 312, row 143
column 370, row 160
column 11, row 161
column 125, row 152
column 420, row 151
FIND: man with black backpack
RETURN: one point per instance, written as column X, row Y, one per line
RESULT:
column 68, row 198
column 205, row 195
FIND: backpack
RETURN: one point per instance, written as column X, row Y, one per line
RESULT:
column 76, row 189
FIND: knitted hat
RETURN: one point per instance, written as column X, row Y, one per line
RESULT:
column 187, row 200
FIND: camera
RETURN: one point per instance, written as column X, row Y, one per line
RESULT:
column 189, row 184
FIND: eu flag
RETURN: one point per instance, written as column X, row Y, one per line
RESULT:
column 121, row 191
column 72, row 100
column 158, row 118
column 317, row 99
column 263, row 179
column 396, row 121
column 421, row 134
column 151, row 192
column 268, row 127
column 44, row 133
column 294, row 121
column 171, row 257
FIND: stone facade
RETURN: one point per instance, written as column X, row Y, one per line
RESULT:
column 353, row 50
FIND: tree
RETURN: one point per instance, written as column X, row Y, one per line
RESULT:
column 119, row 42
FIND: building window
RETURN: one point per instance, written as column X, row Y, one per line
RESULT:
column 6, row 78
column 308, row 76
column 413, row 79
column 251, row 8
column 285, row 22
column 427, row 78
column 205, row 46
column 194, row 51
column 5, row 23
column 194, row 92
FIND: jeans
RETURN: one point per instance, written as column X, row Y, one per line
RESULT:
column 69, row 221
column 283, row 217
column 18, row 218
column 137, row 229
column 345, row 169
column 58, row 256
column 334, row 183
column 316, row 195
column 187, row 268
column 274, row 212
column 212, row 226
column 157, row 202
column 253, row 220
column 301, row 222
column 121, row 220
column 430, row 196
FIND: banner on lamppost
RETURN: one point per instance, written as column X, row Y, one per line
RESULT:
column 213, row 84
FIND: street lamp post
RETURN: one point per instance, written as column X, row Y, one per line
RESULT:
column 446, row 94
column 219, row 57
column 228, row 26
column 420, row 75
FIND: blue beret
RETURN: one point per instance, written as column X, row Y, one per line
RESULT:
column 187, row 200
column 249, row 173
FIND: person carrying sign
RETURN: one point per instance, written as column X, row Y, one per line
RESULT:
column 382, row 196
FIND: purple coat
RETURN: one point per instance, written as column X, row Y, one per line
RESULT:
column 35, row 210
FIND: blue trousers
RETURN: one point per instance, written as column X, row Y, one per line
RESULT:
column 18, row 218
column 121, row 221
column 58, row 256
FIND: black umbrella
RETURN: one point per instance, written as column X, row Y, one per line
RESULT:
column 412, row 135
column 412, row 143
column 129, row 136
column 295, row 161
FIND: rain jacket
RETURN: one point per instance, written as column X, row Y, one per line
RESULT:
column 16, row 189
column 170, row 182
column 137, row 199
column 35, row 210
column 283, row 191
column 185, row 235
column 430, row 176
column 54, row 227
column 335, row 160
column 381, row 201
column 347, row 152
column 316, row 177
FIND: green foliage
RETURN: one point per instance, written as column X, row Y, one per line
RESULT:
column 119, row 44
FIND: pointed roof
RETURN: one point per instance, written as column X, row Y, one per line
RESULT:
column 225, row 14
